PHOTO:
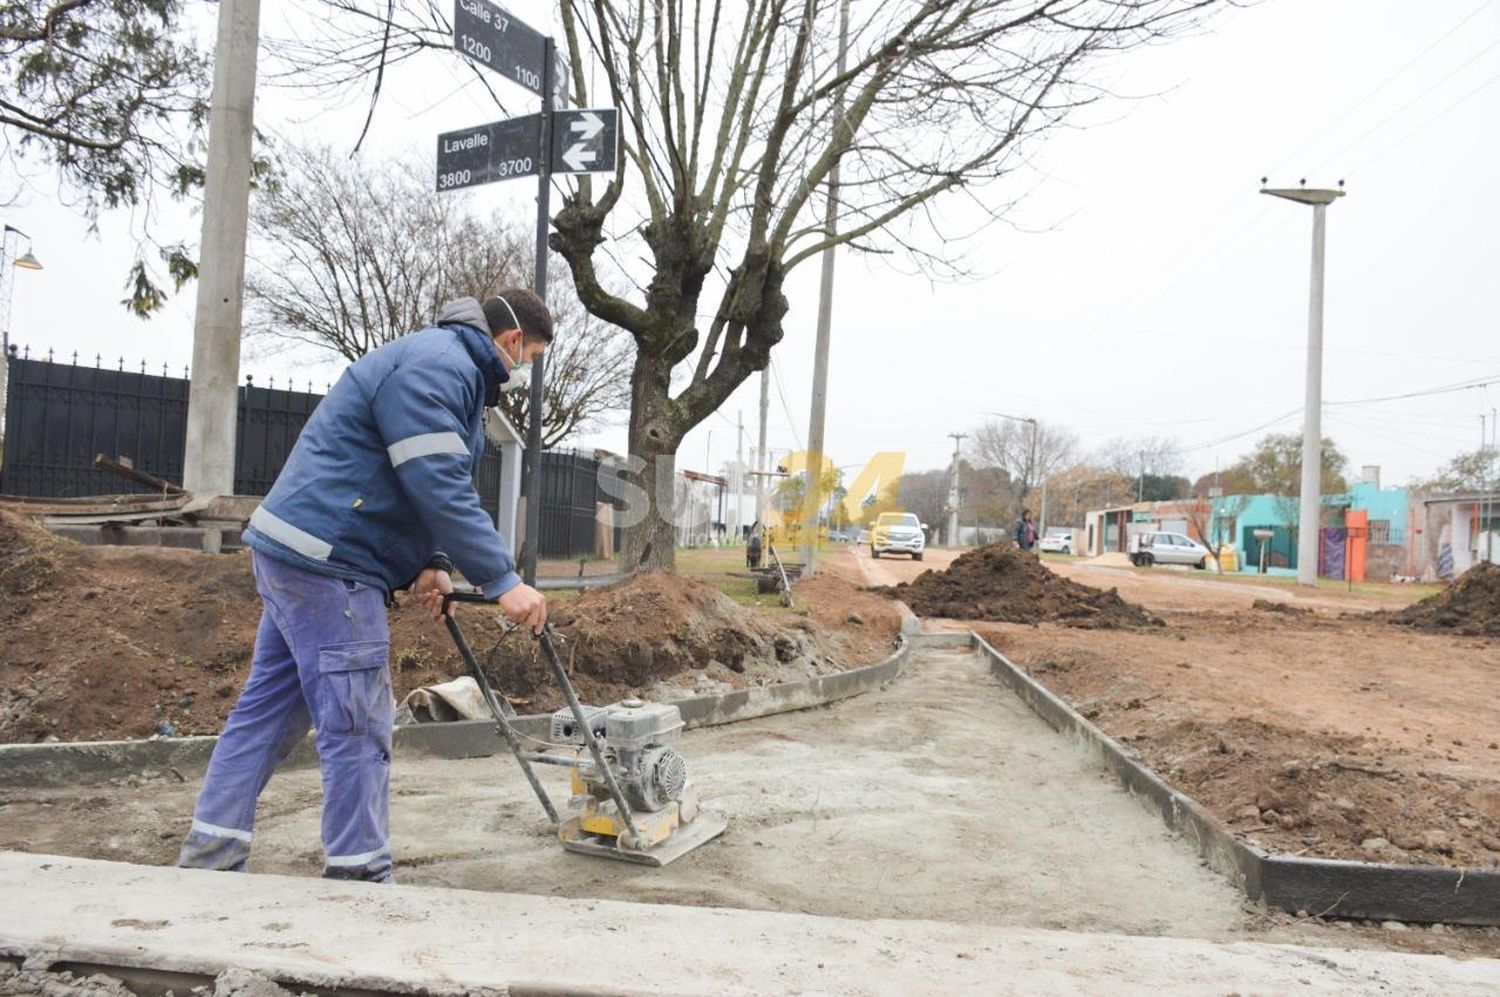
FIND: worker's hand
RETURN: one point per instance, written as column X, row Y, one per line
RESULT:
column 525, row 606
column 430, row 587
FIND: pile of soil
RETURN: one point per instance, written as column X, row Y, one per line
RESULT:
column 664, row 636
column 1470, row 606
column 104, row 643
column 1001, row 583
column 1285, row 609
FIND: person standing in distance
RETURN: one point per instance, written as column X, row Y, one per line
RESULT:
column 376, row 496
column 1025, row 531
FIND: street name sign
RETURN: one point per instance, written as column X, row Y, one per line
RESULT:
column 500, row 150
column 488, row 35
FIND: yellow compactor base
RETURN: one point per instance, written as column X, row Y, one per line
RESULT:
column 665, row 835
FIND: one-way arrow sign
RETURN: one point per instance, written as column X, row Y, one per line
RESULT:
column 585, row 140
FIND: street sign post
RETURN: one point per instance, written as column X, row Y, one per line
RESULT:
column 555, row 140
column 488, row 35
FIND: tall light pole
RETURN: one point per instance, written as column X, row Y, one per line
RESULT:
column 1308, row 517
column 815, row 456
column 11, row 263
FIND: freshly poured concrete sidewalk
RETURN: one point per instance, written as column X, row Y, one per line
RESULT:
column 399, row 939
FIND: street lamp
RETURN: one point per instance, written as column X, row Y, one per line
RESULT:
column 26, row 261
column 1030, row 463
column 1312, row 426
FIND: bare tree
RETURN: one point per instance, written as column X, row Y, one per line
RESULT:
column 1207, row 517
column 733, row 117
column 1029, row 452
column 1076, row 490
column 1134, row 456
column 347, row 260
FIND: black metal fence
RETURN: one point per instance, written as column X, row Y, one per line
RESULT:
column 60, row 415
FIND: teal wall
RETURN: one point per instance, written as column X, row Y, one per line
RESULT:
column 1269, row 511
column 1382, row 503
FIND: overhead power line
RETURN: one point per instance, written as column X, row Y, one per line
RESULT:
column 1441, row 390
column 1483, row 5
column 1387, row 119
column 791, row 423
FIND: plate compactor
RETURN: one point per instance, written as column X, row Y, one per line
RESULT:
column 631, row 797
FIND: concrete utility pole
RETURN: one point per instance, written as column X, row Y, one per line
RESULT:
column 815, row 457
column 953, row 497
column 213, row 396
column 738, row 484
column 1308, row 518
column 761, row 467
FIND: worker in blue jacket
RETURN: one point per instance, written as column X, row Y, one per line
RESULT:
column 376, row 496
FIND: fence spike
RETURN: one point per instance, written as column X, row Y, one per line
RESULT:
column 122, row 363
column 250, row 380
column 273, row 382
column 185, row 375
column 163, row 368
column 143, row 366
column 26, row 353
column 49, row 354
column 98, row 360
column 75, row 358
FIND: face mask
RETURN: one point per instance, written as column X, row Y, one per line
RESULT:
column 520, row 375
column 520, row 379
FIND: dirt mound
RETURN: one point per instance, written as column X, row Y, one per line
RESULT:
column 100, row 643
column 1285, row 609
column 1003, row 584
column 1470, row 606
column 648, row 629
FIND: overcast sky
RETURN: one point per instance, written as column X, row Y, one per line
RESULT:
column 1144, row 287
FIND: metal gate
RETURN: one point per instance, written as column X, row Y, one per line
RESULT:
column 59, row 415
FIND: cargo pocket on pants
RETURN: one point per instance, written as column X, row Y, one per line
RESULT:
column 355, row 685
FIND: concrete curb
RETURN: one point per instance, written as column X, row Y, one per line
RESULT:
column 92, row 762
column 175, row 926
column 1325, row 887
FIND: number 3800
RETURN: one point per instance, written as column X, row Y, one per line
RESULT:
column 456, row 178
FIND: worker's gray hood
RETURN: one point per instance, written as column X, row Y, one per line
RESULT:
column 475, row 335
column 465, row 310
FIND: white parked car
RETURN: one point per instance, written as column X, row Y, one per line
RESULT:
column 1057, row 542
column 1147, row 549
column 898, row 533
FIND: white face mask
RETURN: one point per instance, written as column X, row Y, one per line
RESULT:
column 520, row 378
column 520, row 374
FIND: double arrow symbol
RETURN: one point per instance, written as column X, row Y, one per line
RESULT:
column 587, row 128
